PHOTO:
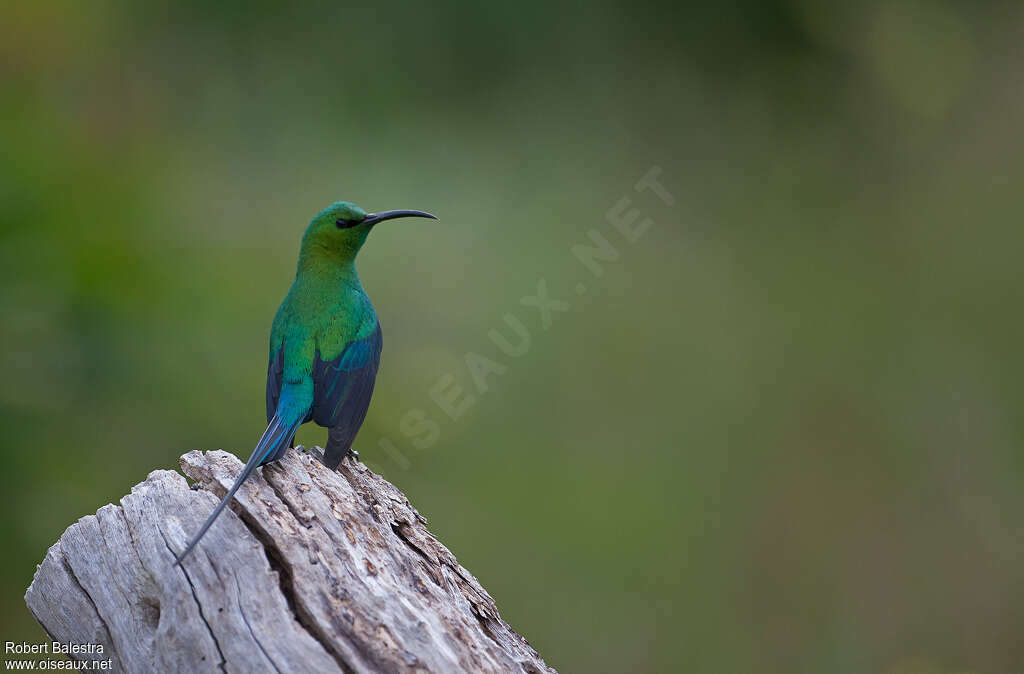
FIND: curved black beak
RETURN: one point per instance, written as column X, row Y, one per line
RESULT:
column 374, row 218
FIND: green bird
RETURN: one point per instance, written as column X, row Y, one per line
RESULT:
column 325, row 345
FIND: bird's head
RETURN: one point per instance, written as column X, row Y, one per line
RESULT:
column 341, row 228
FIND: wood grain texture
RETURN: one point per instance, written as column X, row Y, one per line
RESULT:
column 312, row 570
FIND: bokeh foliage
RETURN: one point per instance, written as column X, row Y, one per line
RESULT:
column 783, row 434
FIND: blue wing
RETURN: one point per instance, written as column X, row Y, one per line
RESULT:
column 342, row 388
column 275, row 373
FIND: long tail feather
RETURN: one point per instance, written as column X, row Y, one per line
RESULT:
column 278, row 433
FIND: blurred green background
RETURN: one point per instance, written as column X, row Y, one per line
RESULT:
column 781, row 434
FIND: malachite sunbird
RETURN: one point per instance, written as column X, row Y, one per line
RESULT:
column 325, row 344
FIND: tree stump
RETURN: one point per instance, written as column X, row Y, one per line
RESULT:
column 313, row 570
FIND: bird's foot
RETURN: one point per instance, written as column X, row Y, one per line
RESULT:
column 353, row 454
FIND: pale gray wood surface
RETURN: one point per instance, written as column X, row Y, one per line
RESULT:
column 311, row 570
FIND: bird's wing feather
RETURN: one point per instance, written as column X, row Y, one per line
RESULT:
column 342, row 388
column 275, row 375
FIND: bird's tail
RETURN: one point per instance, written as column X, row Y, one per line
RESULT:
column 277, row 435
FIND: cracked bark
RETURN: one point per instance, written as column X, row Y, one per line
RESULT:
column 309, row 570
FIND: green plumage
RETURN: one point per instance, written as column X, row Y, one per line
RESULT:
column 325, row 344
column 326, row 308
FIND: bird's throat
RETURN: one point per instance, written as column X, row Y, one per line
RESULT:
column 326, row 264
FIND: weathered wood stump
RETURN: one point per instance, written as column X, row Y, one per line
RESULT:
column 313, row 571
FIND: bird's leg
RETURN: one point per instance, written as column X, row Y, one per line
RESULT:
column 339, row 446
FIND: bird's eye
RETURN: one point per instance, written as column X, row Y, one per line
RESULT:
column 342, row 223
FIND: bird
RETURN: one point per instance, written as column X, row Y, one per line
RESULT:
column 325, row 345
